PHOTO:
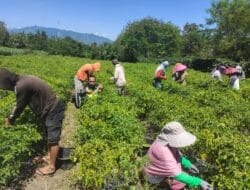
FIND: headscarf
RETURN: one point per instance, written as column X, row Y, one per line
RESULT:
column 96, row 66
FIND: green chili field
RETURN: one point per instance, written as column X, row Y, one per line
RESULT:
column 114, row 131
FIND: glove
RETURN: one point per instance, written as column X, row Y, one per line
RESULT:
column 193, row 169
column 206, row 186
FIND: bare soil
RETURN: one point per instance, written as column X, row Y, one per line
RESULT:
column 62, row 179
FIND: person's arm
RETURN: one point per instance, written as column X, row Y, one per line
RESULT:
column 193, row 181
column 22, row 99
column 185, row 162
column 100, row 88
column 89, row 72
column 184, row 75
column 188, row 165
column 188, row 179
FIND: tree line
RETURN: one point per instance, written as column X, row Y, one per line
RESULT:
column 225, row 35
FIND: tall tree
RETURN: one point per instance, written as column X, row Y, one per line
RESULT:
column 17, row 40
column 232, row 21
column 4, row 35
column 148, row 39
column 196, row 40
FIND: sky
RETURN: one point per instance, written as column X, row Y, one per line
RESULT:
column 106, row 18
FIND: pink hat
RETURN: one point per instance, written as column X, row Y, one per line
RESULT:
column 230, row 70
column 179, row 67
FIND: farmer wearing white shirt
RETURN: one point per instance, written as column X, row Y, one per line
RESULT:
column 119, row 77
column 216, row 73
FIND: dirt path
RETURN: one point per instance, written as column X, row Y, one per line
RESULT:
column 61, row 179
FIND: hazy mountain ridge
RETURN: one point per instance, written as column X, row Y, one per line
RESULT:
column 54, row 32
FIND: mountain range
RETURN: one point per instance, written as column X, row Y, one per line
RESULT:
column 54, row 32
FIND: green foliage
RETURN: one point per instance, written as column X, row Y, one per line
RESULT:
column 196, row 41
column 4, row 35
column 17, row 141
column 113, row 129
column 16, row 145
column 108, row 141
column 146, row 39
column 231, row 37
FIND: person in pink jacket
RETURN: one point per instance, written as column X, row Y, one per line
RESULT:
column 166, row 161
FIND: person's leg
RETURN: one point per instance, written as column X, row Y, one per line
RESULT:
column 53, row 152
column 53, row 123
column 119, row 90
column 52, row 156
column 78, row 88
column 158, row 84
column 78, row 85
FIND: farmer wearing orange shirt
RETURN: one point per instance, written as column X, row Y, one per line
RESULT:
column 82, row 77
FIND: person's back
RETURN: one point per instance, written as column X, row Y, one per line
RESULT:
column 33, row 91
column 160, row 74
column 164, row 161
column 82, row 72
column 120, row 75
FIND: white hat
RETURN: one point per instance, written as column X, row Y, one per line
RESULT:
column 174, row 135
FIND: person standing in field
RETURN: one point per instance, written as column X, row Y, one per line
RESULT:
column 180, row 73
column 216, row 73
column 166, row 161
column 119, row 77
column 234, row 79
column 82, row 77
column 241, row 72
column 35, row 93
column 160, row 74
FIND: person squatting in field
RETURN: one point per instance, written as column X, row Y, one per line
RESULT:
column 35, row 93
column 160, row 74
column 180, row 73
column 119, row 77
column 92, row 88
column 166, row 161
column 82, row 76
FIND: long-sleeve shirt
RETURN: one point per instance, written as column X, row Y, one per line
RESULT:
column 34, row 92
column 166, row 161
column 119, row 75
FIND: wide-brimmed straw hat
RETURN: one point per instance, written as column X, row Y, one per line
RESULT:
column 174, row 135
